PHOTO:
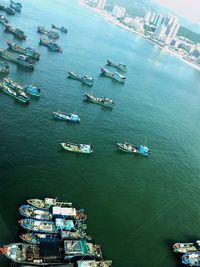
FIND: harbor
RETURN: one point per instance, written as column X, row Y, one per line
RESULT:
column 135, row 200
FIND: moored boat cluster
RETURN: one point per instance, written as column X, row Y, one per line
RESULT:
column 190, row 251
column 27, row 58
column 55, row 233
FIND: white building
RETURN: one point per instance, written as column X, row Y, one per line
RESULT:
column 147, row 17
column 101, row 4
column 119, row 11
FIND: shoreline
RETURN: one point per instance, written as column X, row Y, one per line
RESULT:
column 108, row 17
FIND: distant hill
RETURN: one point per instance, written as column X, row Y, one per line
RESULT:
column 185, row 32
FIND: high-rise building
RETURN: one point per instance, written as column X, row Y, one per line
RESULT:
column 160, row 32
column 147, row 17
column 172, row 29
column 119, row 11
column 158, row 20
column 101, row 4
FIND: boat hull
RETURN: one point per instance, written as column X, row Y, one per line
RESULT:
column 71, row 147
column 80, row 79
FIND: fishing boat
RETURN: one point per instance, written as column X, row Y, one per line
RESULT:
column 94, row 263
column 4, row 68
column 3, row 20
column 191, row 258
column 78, row 148
column 22, row 97
column 186, row 247
column 22, row 60
column 77, row 249
column 12, row 84
column 66, row 116
column 115, row 76
column 84, row 79
column 51, row 33
column 62, row 28
column 53, row 253
column 53, row 46
column 101, row 101
column 28, row 51
column 79, row 234
column 16, row 6
column 32, row 90
column 36, row 238
column 47, row 203
column 119, row 66
column 50, row 227
column 35, row 213
column 16, row 32
column 68, row 213
column 137, row 149
column 8, row 10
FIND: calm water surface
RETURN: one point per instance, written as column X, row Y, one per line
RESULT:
column 137, row 207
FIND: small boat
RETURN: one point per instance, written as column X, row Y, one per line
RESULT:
column 47, row 203
column 115, row 76
column 16, row 32
column 101, row 101
column 51, row 33
column 62, row 28
column 32, row 90
column 35, row 213
column 21, row 96
column 50, row 227
column 78, row 148
column 191, row 258
column 66, row 116
column 36, row 238
column 119, row 66
column 4, row 68
column 28, row 51
column 3, row 20
column 186, row 247
column 142, row 150
column 53, row 46
column 94, row 263
column 16, row 6
column 84, row 79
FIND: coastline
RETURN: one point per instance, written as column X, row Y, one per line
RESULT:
column 108, row 17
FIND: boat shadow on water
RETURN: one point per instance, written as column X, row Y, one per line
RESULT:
column 82, row 83
column 104, row 108
column 176, row 256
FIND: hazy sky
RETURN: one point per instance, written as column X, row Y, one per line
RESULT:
column 189, row 9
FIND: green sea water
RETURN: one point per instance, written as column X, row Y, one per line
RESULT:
column 137, row 207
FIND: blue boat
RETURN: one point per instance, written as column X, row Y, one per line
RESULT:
column 129, row 148
column 32, row 90
column 53, row 46
column 191, row 258
column 66, row 116
column 35, row 213
column 51, row 227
